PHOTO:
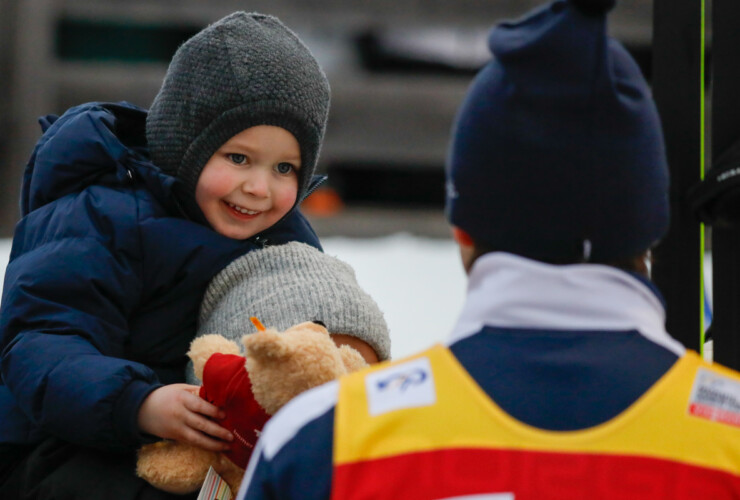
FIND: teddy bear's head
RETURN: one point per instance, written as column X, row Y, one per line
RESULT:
column 282, row 365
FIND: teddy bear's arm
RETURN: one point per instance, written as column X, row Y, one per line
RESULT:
column 205, row 346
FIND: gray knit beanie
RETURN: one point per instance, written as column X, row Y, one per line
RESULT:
column 242, row 71
column 284, row 285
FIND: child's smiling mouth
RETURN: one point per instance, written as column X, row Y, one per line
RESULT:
column 241, row 211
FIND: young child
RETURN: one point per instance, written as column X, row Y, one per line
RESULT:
column 283, row 286
column 126, row 217
column 289, row 284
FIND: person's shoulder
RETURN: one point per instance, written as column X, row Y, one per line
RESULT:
column 715, row 379
column 320, row 402
column 96, row 211
column 114, row 209
column 721, row 369
column 296, row 415
column 713, row 392
column 700, row 364
column 93, row 145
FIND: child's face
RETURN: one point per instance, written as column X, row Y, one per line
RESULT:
column 251, row 182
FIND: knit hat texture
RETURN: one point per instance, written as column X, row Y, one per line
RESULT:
column 284, row 285
column 245, row 70
column 557, row 152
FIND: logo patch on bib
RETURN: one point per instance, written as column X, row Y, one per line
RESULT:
column 407, row 385
column 715, row 397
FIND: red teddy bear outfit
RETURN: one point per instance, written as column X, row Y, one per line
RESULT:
column 226, row 384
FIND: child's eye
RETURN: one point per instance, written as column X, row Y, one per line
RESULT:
column 237, row 158
column 284, row 168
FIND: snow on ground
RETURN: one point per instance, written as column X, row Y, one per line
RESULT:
column 418, row 283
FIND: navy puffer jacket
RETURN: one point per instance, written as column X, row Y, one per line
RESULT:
column 104, row 282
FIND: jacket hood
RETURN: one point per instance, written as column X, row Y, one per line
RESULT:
column 91, row 144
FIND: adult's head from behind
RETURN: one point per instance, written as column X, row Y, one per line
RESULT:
column 243, row 71
column 557, row 152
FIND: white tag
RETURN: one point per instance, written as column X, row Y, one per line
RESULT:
column 407, row 385
column 214, row 488
column 715, row 397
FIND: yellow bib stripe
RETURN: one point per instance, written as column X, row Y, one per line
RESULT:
column 461, row 415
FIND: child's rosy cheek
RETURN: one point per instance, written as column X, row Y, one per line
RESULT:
column 289, row 198
column 220, row 185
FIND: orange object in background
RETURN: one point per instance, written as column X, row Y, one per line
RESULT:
column 324, row 202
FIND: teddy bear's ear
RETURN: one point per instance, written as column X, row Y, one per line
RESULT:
column 205, row 346
column 266, row 345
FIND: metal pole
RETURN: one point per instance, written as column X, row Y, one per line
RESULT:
column 677, row 87
column 725, row 131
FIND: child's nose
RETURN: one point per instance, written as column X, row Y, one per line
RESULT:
column 257, row 183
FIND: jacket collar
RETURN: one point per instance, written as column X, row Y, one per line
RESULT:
column 506, row 290
column 94, row 143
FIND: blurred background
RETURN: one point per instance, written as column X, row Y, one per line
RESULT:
column 398, row 71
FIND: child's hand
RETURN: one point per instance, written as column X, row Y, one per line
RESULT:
column 177, row 412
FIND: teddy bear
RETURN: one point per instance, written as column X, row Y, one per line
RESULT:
column 276, row 367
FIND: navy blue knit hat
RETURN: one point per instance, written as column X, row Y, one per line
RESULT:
column 557, row 153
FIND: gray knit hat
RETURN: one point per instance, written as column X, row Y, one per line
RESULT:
column 242, row 71
column 288, row 284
